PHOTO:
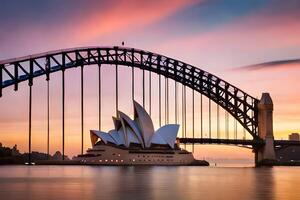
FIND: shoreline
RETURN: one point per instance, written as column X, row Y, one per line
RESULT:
column 72, row 162
column 11, row 161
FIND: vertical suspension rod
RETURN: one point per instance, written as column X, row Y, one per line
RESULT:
column 218, row 121
column 143, row 88
column 193, row 113
column 235, row 129
column 167, row 96
column 175, row 96
column 150, row 96
column 63, row 114
column 47, row 66
column 209, row 118
column 132, row 83
column 117, row 91
column 182, row 109
column 166, row 99
column 48, row 119
column 30, row 117
column 201, row 114
column 30, row 83
column 159, row 98
column 193, row 120
column 227, row 125
column 185, row 112
column 82, row 108
column 99, row 96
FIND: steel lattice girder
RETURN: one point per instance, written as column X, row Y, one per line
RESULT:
column 239, row 104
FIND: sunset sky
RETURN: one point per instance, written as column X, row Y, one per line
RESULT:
column 253, row 44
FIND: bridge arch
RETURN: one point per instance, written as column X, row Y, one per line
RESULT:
column 242, row 106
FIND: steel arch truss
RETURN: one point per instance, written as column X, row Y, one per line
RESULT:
column 239, row 104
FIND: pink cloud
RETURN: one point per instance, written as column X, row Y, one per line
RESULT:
column 126, row 16
column 103, row 25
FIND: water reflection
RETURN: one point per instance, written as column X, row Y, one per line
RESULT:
column 264, row 183
column 77, row 182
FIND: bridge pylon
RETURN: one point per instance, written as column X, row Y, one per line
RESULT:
column 265, row 130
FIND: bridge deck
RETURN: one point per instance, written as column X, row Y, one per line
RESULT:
column 236, row 142
column 219, row 141
column 286, row 142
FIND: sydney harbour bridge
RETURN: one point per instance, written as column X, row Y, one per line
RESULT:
column 255, row 116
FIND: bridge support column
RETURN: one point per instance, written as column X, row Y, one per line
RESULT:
column 265, row 130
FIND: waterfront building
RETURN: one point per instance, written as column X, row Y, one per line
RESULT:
column 294, row 137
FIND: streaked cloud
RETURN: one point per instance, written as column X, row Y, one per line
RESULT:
column 284, row 64
column 55, row 24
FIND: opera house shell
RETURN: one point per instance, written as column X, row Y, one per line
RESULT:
column 135, row 142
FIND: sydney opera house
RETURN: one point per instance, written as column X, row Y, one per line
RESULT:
column 135, row 142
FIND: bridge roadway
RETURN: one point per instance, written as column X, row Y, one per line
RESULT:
column 242, row 142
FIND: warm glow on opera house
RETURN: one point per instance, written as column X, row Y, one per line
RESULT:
column 135, row 142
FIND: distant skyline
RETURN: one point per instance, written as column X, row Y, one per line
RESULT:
column 254, row 45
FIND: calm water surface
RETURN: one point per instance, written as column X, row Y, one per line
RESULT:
column 86, row 182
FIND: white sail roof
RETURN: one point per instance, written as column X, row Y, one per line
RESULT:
column 117, row 123
column 117, row 137
column 94, row 138
column 131, row 136
column 132, row 125
column 122, row 134
column 157, row 139
column 138, row 131
column 105, row 137
column 144, row 122
column 168, row 133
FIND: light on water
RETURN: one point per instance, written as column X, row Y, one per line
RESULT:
column 86, row 182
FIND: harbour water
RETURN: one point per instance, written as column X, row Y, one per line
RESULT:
column 192, row 182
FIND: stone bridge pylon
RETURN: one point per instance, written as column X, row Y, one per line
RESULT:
column 265, row 153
